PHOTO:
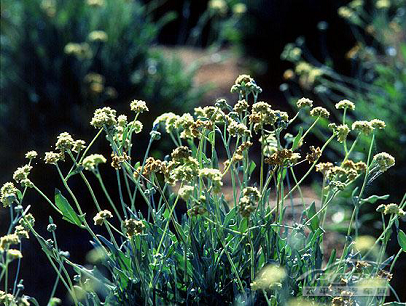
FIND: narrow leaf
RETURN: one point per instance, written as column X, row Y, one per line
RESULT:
column 68, row 212
column 372, row 199
column 297, row 139
column 402, row 240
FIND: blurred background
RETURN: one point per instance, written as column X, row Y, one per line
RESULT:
column 62, row 59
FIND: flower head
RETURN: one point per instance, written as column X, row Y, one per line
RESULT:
column 31, row 154
column 133, row 227
column 13, row 254
column 304, row 102
column 215, row 176
column 319, row 112
column 52, row 157
column 92, row 161
column 377, row 124
column 363, row 127
column 241, row 106
column 8, row 240
column 186, row 191
column 103, row 117
column 64, row 142
column 22, row 173
column 8, row 194
column 98, row 36
column 78, row 145
column 345, row 104
column 102, row 216
column 138, row 106
column 384, row 161
column 249, row 200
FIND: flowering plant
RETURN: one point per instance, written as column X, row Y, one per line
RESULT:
column 254, row 243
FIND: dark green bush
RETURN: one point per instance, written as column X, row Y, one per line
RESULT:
column 60, row 59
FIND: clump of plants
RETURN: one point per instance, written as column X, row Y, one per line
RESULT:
column 234, row 245
column 377, row 80
column 62, row 59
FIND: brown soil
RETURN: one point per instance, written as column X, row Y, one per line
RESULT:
column 217, row 69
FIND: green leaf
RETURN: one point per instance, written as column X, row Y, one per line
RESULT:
column 244, row 225
column 19, row 195
column 210, row 137
column 372, row 199
column 68, row 212
column 402, row 240
column 296, row 141
column 252, row 168
column 311, row 211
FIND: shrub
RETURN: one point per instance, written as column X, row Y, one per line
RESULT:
column 60, row 59
column 245, row 246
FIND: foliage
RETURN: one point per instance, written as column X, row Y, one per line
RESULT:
column 60, row 59
column 245, row 246
column 224, row 19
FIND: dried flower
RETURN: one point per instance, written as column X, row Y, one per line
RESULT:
column 8, row 194
column 8, row 240
column 92, row 161
column 215, row 176
column 117, row 160
column 137, row 126
column 64, row 142
column 52, row 157
column 152, row 165
column 378, row 124
column 314, row 155
column 269, row 277
column 103, row 117
column 181, row 153
column 78, row 145
column 391, row 209
column 21, row 232
column 186, row 191
column 98, row 36
column 239, row 129
column 280, row 157
column 319, row 112
column 133, row 227
column 384, row 161
column 363, row 127
column 101, row 216
column 342, row 132
column 241, row 106
column 31, row 155
column 304, row 102
column 13, row 254
column 324, row 168
column 96, row 3
column 345, row 104
column 248, row 202
column 22, row 173
column 138, row 106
